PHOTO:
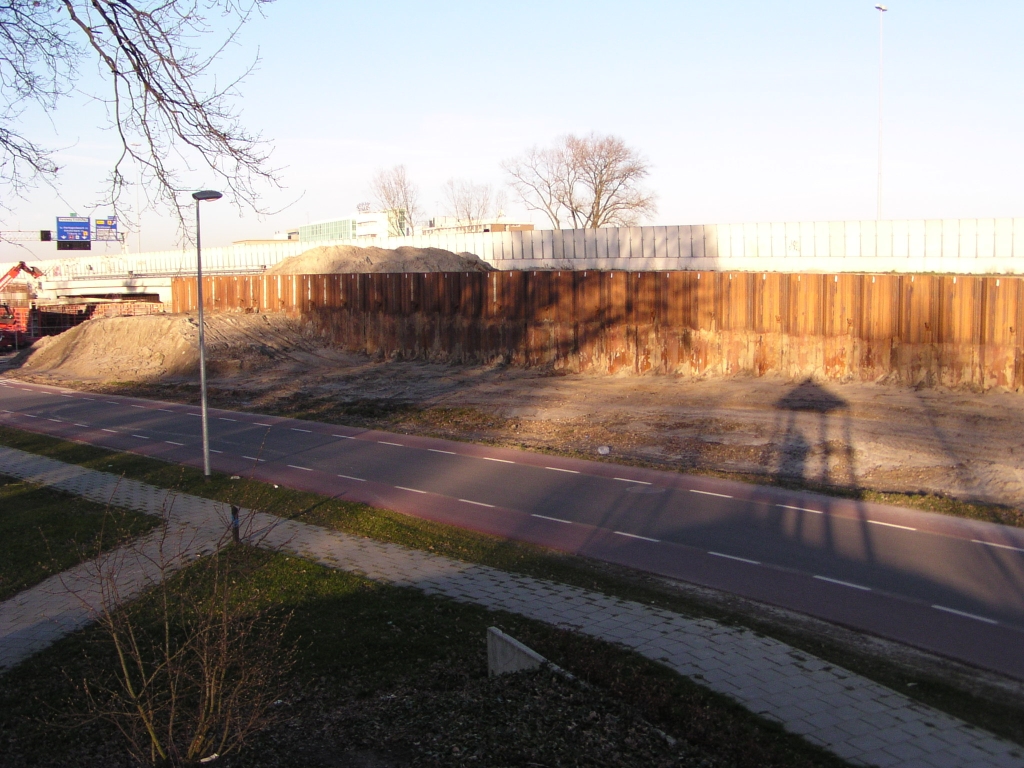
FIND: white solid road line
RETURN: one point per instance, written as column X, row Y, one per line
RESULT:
column 844, row 583
column 414, row 490
column 559, row 469
column 171, row 442
column 491, row 458
column 636, row 536
column 438, row 450
column 553, row 519
column 627, row 480
column 966, row 615
column 709, row 493
column 296, row 466
column 357, row 479
column 733, row 557
column 296, row 429
column 892, row 525
column 801, row 509
column 385, row 442
column 253, row 458
column 999, row 546
column 478, row 503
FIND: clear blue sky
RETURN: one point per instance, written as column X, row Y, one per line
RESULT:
column 746, row 110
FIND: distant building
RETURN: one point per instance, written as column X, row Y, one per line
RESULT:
column 451, row 225
column 368, row 225
column 334, row 229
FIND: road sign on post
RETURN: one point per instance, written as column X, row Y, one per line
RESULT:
column 106, row 229
column 73, row 229
column 74, row 233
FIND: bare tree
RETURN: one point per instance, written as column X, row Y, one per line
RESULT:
column 589, row 182
column 468, row 202
column 396, row 195
column 167, row 111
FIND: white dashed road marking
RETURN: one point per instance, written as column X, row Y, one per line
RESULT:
column 296, row 466
column 414, row 490
column 478, row 503
column 709, row 493
column 966, row 615
column 892, row 525
column 801, row 509
column 491, row 458
column 438, row 450
column 559, row 469
column 627, row 480
column 349, row 477
column 553, row 519
column 385, row 442
column 999, row 546
column 844, row 583
column 636, row 536
column 171, row 442
column 733, row 557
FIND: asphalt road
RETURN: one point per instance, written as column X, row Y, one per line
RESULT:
column 951, row 586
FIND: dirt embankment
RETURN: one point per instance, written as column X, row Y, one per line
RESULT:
column 338, row 259
column 162, row 347
column 958, row 444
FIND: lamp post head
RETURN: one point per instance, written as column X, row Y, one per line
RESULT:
column 881, row 8
column 207, row 194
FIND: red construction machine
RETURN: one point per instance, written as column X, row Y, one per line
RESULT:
column 12, row 328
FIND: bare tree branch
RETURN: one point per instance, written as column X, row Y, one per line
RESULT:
column 591, row 181
column 397, row 196
column 165, row 106
column 468, row 202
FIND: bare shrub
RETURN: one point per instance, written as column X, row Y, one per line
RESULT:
column 200, row 656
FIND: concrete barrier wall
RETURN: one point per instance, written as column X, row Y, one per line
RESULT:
column 953, row 330
column 950, row 246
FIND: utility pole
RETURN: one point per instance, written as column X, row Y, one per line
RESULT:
column 881, row 14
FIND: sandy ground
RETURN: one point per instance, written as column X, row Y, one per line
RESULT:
column 954, row 443
column 333, row 259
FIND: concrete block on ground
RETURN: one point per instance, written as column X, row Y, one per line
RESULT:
column 506, row 654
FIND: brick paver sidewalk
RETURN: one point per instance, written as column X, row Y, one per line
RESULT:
column 851, row 716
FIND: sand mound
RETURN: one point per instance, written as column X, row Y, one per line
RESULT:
column 336, row 259
column 150, row 347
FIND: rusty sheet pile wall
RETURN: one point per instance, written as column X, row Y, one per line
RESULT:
column 953, row 330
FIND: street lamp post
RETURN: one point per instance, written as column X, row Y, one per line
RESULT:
column 211, row 195
column 881, row 13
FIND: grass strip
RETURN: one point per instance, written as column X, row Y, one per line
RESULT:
column 402, row 675
column 1004, row 717
column 44, row 532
